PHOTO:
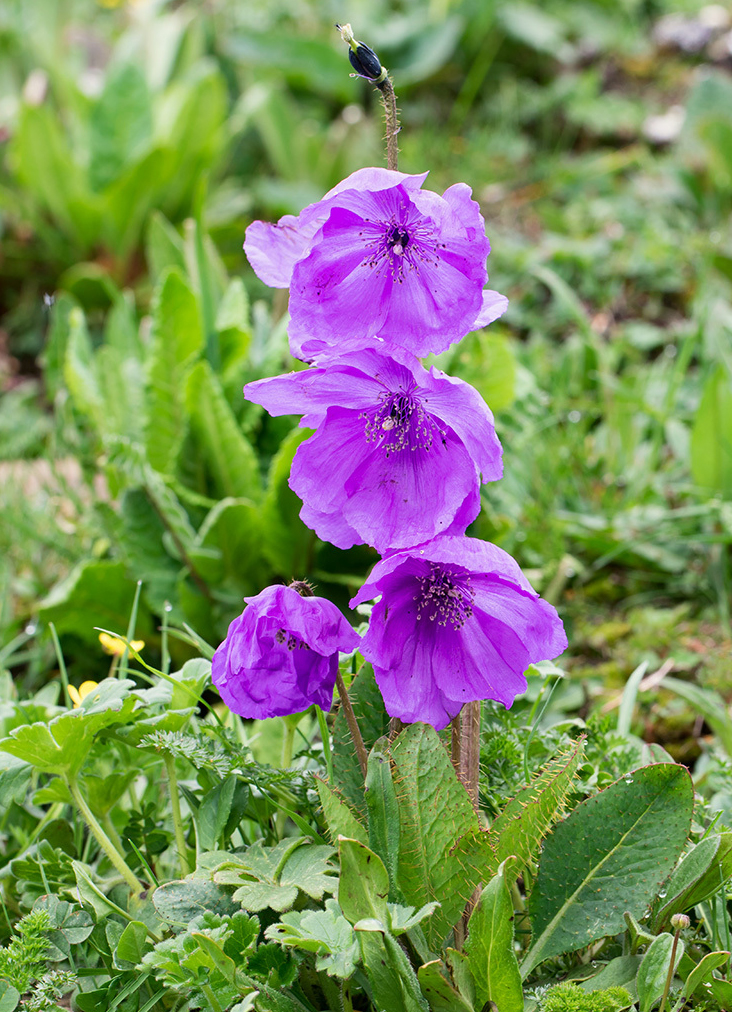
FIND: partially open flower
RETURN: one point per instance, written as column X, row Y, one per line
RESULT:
column 379, row 257
column 116, row 646
column 456, row 621
column 281, row 654
column 398, row 453
column 80, row 694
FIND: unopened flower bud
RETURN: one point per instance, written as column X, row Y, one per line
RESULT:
column 680, row 921
column 363, row 59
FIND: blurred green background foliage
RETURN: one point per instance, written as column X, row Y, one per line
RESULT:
column 138, row 140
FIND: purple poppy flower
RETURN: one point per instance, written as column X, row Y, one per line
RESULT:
column 398, row 452
column 457, row 620
column 281, row 654
column 379, row 257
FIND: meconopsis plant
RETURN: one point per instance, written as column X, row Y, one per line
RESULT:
column 382, row 271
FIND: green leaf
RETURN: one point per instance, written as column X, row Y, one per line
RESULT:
column 703, row 971
column 62, row 745
column 373, row 720
column 339, row 817
column 80, row 371
column 325, row 932
column 96, row 592
column 490, row 948
column 233, row 531
column 435, row 811
column 363, row 886
column 610, row 855
column 132, row 945
column 383, row 809
column 176, row 342
column 15, row 775
column 272, row 876
column 698, row 875
column 448, row 985
column 230, row 457
column 653, row 971
column 487, row 362
column 54, row 354
column 163, row 246
column 394, row 984
column 287, row 541
column 711, row 435
column 223, row 963
column 180, row 901
column 213, row 813
column 619, row 972
column 120, row 124
column 9, row 996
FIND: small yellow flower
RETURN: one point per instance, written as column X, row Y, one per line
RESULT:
column 116, row 646
column 78, row 694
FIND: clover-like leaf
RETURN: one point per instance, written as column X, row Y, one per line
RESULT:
column 324, row 932
column 273, row 876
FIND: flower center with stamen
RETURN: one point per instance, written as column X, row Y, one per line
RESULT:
column 399, row 245
column 398, row 239
column 400, row 422
column 444, row 597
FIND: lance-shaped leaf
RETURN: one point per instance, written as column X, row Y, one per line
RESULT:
column 383, row 809
column 490, row 948
column 373, row 720
column 697, row 876
column 610, row 855
column 448, row 986
column 653, row 971
column 434, row 812
column 363, row 886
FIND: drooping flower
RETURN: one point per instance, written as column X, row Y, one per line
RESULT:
column 281, row 654
column 456, row 621
column 379, row 258
column 398, row 451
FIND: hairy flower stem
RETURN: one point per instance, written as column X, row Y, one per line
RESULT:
column 101, row 837
column 671, row 968
column 392, row 122
column 180, row 839
column 465, row 756
column 352, row 725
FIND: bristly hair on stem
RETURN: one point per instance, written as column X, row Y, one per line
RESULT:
column 366, row 64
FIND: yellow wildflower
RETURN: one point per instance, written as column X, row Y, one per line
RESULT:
column 78, row 694
column 116, row 646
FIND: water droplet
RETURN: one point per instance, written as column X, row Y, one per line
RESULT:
column 31, row 628
column 662, row 894
column 574, row 416
column 168, row 606
column 628, row 778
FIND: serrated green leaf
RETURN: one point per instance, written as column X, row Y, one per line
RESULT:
column 120, row 123
column 383, row 809
column 176, row 342
column 490, row 947
column 339, row 817
column 435, row 812
column 373, row 720
column 610, row 855
column 15, row 775
column 272, row 876
column 80, row 371
column 229, row 455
